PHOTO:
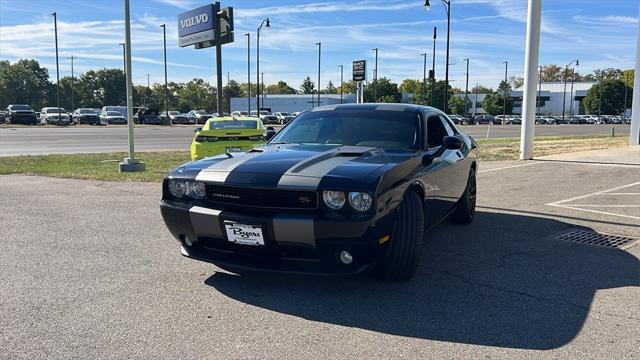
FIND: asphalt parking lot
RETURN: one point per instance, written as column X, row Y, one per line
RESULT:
column 113, row 138
column 88, row 270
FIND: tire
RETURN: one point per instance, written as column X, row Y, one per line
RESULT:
column 401, row 259
column 466, row 208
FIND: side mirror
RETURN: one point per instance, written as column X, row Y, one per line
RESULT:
column 452, row 143
column 197, row 130
column 269, row 134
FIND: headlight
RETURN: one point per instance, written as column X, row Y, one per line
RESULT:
column 196, row 190
column 177, row 188
column 360, row 201
column 333, row 199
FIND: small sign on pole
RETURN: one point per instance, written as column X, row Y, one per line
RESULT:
column 359, row 70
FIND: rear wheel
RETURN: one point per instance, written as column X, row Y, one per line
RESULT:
column 401, row 260
column 466, row 208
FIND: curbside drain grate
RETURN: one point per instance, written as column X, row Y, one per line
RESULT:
column 596, row 239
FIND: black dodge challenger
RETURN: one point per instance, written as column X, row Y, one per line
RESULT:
column 341, row 189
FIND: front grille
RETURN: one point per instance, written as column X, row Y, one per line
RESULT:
column 266, row 198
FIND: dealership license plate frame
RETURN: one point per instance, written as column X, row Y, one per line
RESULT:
column 257, row 240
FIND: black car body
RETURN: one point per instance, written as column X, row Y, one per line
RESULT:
column 86, row 116
column 175, row 117
column 20, row 114
column 288, row 191
column 486, row 119
column 198, row 116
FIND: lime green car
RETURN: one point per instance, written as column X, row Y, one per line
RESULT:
column 224, row 134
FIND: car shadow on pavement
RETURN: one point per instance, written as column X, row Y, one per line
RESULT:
column 500, row 281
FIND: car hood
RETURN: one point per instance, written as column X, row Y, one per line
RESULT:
column 298, row 166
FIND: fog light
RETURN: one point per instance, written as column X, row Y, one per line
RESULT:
column 345, row 257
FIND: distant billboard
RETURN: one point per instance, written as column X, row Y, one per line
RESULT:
column 359, row 70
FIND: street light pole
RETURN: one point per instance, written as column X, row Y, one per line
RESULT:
column 248, row 35
column 447, row 6
column 626, row 87
column 261, row 91
column 466, row 90
column 375, row 77
column 424, row 77
column 539, row 102
column 600, row 95
column 267, row 26
column 166, row 85
column 564, row 92
column 72, row 81
column 506, row 85
column 433, row 67
column 319, row 53
column 55, row 27
column 342, row 83
column 571, row 99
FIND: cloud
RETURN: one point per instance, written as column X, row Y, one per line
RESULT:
column 182, row 4
column 606, row 20
column 327, row 7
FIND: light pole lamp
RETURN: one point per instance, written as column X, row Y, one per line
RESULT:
column 447, row 6
column 267, row 25
column 564, row 93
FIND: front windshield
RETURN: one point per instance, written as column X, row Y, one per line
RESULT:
column 86, row 111
column 55, row 110
column 284, row 114
column 376, row 128
column 173, row 113
column 233, row 124
column 20, row 107
column 201, row 112
column 113, row 113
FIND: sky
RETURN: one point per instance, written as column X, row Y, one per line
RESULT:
column 600, row 33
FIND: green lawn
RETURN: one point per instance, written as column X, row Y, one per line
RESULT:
column 158, row 164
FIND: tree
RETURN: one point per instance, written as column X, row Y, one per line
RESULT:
column 516, row 81
column 387, row 99
column 384, row 88
column 411, row 86
column 493, row 104
column 196, row 94
column 438, row 95
column 612, row 98
column 552, row 73
column 308, row 86
column 629, row 75
column 244, row 88
column 24, row 82
column 330, row 89
column 348, row 87
column 231, row 90
column 280, row 88
column 481, row 90
column 456, row 105
column 502, row 86
column 609, row 74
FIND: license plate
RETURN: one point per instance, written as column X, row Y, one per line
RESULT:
column 244, row 234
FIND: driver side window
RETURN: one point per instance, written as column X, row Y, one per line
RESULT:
column 435, row 131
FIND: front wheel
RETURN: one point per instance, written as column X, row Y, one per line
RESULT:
column 466, row 208
column 401, row 260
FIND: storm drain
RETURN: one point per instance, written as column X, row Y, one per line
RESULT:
column 596, row 239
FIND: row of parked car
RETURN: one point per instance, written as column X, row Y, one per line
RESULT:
column 541, row 119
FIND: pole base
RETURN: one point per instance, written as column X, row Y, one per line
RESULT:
column 131, row 165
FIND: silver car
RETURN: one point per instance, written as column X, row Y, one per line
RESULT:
column 55, row 116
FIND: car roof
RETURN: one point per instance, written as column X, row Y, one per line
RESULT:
column 376, row 106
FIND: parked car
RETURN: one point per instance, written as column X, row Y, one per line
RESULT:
column 222, row 134
column 283, row 117
column 51, row 115
column 485, row 119
column 113, row 117
column 121, row 109
column 268, row 118
column 545, row 120
column 514, row 120
column 87, row 116
column 2, row 116
column 354, row 195
column 151, row 117
column 20, row 114
column 239, row 113
column 198, row 116
column 457, row 119
column 175, row 117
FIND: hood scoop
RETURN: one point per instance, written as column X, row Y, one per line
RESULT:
column 340, row 152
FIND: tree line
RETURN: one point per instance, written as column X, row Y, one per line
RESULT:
column 25, row 81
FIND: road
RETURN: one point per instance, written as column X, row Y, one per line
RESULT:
column 34, row 141
column 88, row 270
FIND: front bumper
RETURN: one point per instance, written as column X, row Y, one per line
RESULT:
column 294, row 242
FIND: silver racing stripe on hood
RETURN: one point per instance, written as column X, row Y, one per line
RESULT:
column 219, row 171
column 308, row 173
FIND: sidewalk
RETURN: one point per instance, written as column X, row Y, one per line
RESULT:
column 629, row 155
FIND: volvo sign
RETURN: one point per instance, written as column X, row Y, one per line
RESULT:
column 196, row 26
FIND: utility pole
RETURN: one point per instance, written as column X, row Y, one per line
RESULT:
column 166, row 86
column 55, row 27
column 319, row 58
column 600, row 95
column 148, row 90
column 248, row 35
column 626, row 87
column 72, row 82
column 375, row 77
column 342, row 82
column 539, row 100
column 571, row 98
column 262, row 91
column 506, row 86
column 433, row 67
column 216, row 10
column 466, row 90
column 228, row 98
column 267, row 24
column 424, row 77
column 475, row 105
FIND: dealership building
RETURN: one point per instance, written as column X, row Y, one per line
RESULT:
column 551, row 95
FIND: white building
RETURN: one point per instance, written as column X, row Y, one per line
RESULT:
column 551, row 96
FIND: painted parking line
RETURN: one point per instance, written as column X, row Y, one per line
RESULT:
column 508, row 167
column 592, row 208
